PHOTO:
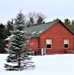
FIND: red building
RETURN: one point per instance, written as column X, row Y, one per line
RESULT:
column 53, row 37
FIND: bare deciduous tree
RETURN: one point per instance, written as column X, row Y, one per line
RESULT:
column 35, row 18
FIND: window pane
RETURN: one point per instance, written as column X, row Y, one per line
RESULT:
column 48, row 45
column 66, row 45
column 66, row 41
column 48, row 41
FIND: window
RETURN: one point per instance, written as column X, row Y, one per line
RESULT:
column 49, row 43
column 66, row 43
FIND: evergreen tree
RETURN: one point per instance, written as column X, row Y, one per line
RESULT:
column 41, row 18
column 67, row 22
column 18, row 50
column 3, row 35
column 9, row 27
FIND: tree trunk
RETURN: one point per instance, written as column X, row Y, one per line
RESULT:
column 19, row 64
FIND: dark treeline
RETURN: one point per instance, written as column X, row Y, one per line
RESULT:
column 31, row 19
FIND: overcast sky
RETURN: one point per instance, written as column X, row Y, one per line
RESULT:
column 52, row 9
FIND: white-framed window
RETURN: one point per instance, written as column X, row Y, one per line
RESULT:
column 49, row 43
column 66, row 43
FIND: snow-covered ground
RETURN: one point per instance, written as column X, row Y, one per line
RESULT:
column 62, row 64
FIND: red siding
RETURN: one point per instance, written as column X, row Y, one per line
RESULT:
column 34, row 45
column 57, row 33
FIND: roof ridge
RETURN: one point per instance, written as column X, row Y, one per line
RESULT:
column 41, row 28
column 44, row 23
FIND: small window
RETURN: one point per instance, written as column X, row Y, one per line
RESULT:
column 49, row 43
column 66, row 43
